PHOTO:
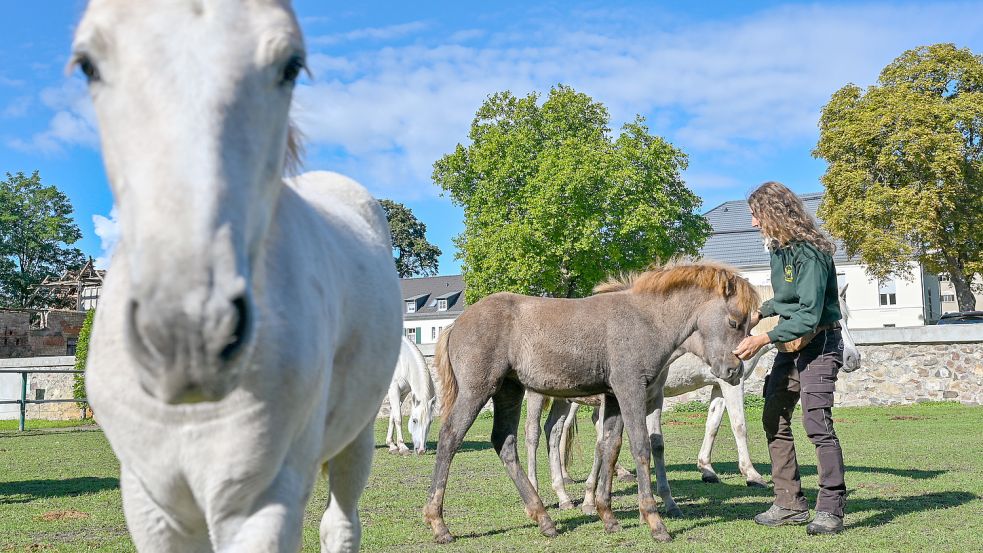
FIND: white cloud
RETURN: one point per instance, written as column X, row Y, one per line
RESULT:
column 737, row 89
column 107, row 229
column 371, row 33
column 17, row 107
column 73, row 122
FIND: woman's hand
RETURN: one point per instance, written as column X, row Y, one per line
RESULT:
column 750, row 345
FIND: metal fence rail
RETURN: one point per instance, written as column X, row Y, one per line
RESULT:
column 23, row 401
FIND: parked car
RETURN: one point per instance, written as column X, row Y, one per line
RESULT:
column 962, row 318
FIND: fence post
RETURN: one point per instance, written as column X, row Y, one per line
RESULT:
column 23, row 399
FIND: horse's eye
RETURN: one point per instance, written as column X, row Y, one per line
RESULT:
column 292, row 70
column 732, row 323
column 88, row 68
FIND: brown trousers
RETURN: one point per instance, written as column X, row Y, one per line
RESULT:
column 809, row 375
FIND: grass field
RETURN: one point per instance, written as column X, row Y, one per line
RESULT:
column 915, row 476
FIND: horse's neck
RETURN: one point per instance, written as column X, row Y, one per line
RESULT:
column 418, row 376
column 677, row 313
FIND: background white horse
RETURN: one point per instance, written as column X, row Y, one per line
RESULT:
column 249, row 326
column 412, row 378
column 685, row 375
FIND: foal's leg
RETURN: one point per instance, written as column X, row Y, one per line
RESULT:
column 569, row 427
column 555, row 423
column 654, row 424
column 534, row 412
column 508, row 411
column 734, row 399
column 348, row 473
column 714, row 415
column 631, row 398
column 591, row 484
column 153, row 530
column 608, row 448
column 452, row 433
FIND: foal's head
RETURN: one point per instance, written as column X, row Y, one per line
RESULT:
column 722, row 320
column 192, row 98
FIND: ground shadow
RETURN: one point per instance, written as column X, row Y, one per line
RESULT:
column 29, row 490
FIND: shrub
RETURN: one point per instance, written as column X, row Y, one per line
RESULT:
column 81, row 352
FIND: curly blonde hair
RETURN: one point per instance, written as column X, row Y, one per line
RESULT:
column 784, row 219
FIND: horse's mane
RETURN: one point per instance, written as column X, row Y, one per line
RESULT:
column 663, row 279
column 293, row 160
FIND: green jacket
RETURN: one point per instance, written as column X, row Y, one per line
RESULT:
column 804, row 281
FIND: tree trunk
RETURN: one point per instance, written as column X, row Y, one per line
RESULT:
column 964, row 293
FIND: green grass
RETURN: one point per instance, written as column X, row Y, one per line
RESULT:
column 38, row 424
column 914, row 475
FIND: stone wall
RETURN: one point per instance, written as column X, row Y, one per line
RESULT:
column 58, row 335
column 39, row 386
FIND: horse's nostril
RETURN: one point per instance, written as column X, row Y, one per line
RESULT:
column 239, row 333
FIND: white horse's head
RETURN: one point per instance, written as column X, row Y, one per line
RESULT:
column 851, row 355
column 421, row 417
column 192, row 99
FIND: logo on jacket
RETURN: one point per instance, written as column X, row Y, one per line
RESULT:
column 788, row 273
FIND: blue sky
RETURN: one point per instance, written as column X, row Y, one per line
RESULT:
column 737, row 85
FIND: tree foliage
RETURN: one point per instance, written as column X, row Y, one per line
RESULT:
column 36, row 230
column 81, row 354
column 553, row 204
column 905, row 166
column 413, row 253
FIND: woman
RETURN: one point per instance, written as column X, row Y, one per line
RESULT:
column 810, row 356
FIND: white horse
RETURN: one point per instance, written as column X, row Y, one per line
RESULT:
column 411, row 378
column 685, row 375
column 249, row 326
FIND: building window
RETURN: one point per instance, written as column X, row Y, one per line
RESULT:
column 39, row 394
column 888, row 292
column 411, row 334
column 948, row 297
column 70, row 348
column 433, row 333
column 442, row 305
column 944, row 277
column 840, row 280
column 411, row 307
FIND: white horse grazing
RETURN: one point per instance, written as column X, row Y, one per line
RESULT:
column 249, row 327
column 685, row 375
column 411, row 378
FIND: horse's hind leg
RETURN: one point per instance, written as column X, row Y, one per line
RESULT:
column 591, row 484
column 608, row 448
column 534, row 412
column 566, row 441
column 348, row 472
column 734, row 399
column 508, row 411
column 714, row 415
column 452, row 433
column 152, row 530
column 555, row 426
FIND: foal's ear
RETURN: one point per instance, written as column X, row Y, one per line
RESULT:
column 730, row 287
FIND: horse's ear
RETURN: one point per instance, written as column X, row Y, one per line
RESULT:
column 730, row 288
column 843, row 291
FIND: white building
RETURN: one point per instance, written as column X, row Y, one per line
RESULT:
column 949, row 304
column 430, row 304
column 895, row 302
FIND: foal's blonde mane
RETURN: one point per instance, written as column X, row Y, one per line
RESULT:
column 663, row 279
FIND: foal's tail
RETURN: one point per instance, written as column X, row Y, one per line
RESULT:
column 568, row 444
column 445, row 372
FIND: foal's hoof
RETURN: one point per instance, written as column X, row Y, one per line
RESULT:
column 674, row 512
column 567, row 481
column 445, row 537
column 612, row 527
column 661, row 536
column 548, row 528
column 711, row 478
column 626, row 477
column 588, row 509
column 757, row 484
column 566, row 505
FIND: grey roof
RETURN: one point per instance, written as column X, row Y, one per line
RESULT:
column 434, row 288
column 736, row 242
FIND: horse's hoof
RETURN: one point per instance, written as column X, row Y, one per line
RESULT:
column 588, row 509
column 549, row 530
column 675, row 511
column 757, row 484
column 626, row 477
column 711, row 478
column 446, row 537
column 661, row 536
column 566, row 505
column 567, row 480
column 612, row 527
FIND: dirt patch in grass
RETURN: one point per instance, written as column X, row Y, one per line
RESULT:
column 678, row 423
column 907, row 418
column 64, row 515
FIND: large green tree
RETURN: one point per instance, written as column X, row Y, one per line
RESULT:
column 904, row 179
column 413, row 253
column 36, row 232
column 553, row 203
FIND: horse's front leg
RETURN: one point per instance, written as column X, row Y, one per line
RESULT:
column 534, row 412
column 715, row 415
column 734, row 399
column 631, row 398
column 555, row 425
column 654, row 424
column 396, row 423
column 348, row 473
column 155, row 531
